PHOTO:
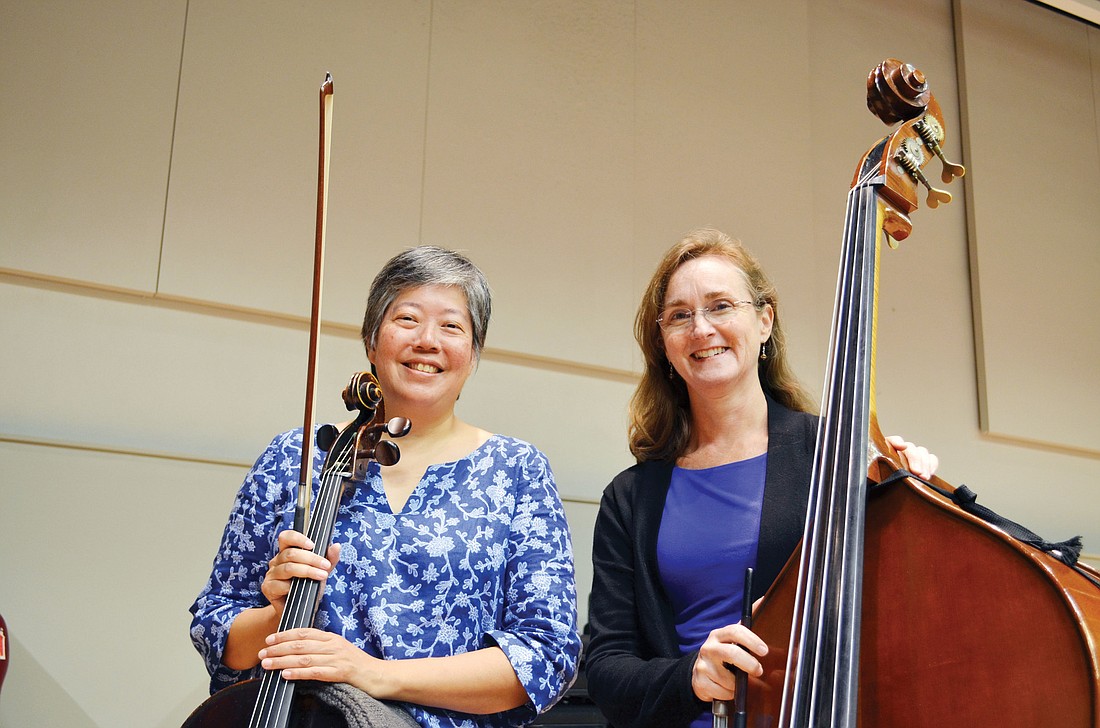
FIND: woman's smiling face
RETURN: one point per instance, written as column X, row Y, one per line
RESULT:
column 714, row 358
column 424, row 350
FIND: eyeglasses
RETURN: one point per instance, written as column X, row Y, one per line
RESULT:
column 719, row 312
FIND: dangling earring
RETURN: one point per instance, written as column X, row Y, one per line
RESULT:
column 764, row 351
column 671, row 371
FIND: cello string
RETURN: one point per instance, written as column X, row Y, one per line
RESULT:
column 306, row 592
column 274, row 700
column 300, row 601
column 276, row 692
column 329, row 494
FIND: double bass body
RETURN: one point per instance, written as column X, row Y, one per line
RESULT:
column 962, row 625
column 900, row 609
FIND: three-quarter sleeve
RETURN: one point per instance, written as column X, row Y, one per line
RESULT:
column 247, row 546
column 538, row 630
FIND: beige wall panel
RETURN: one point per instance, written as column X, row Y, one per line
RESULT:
column 117, row 548
column 179, row 382
column 529, row 166
column 201, row 386
column 109, row 373
column 723, row 133
column 578, row 421
column 1032, row 114
column 89, row 94
column 1094, row 52
column 242, row 202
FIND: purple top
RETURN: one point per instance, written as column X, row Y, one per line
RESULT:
column 709, row 533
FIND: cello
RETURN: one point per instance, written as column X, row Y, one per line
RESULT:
column 270, row 701
column 906, row 603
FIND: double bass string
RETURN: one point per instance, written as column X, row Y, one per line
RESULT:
column 833, row 539
column 816, row 555
column 851, row 471
column 810, row 558
column 838, row 640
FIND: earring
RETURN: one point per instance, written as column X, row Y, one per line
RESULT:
column 671, row 371
column 764, row 351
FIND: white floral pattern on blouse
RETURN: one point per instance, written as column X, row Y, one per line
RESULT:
column 479, row 555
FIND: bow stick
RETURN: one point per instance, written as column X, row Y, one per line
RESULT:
column 305, row 473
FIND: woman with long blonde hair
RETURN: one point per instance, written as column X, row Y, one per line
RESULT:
column 724, row 437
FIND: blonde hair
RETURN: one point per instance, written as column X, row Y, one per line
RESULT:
column 660, row 412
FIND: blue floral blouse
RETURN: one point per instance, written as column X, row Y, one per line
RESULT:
column 480, row 555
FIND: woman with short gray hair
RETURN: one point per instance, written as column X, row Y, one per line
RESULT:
column 423, row 266
column 449, row 595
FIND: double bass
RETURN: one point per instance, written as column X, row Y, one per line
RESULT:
column 906, row 604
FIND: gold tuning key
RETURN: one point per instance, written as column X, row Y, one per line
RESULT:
column 932, row 134
column 910, row 162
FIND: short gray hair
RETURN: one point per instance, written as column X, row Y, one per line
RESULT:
column 428, row 265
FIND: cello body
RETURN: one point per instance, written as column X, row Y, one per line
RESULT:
column 232, row 706
column 900, row 608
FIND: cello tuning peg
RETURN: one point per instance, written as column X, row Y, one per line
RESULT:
column 386, row 453
column 398, row 427
column 326, row 437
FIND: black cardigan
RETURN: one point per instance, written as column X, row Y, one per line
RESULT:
column 635, row 672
